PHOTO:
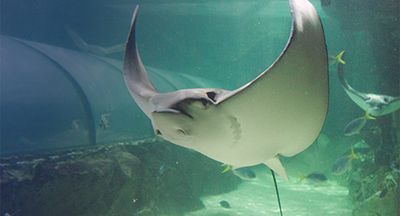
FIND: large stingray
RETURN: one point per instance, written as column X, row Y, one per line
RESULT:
column 374, row 104
column 280, row 112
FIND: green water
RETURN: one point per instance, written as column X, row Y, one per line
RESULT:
column 73, row 142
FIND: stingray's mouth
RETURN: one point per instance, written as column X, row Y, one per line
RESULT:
column 183, row 111
column 175, row 110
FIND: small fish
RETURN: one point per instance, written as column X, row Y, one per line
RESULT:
column 224, row 204
column 244, row 173
column 104, row 121
column 356, row 125
column 316, row 177
column 334, row 60
column 343, row 163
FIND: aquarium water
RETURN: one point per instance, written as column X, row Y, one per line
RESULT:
column 73, row 141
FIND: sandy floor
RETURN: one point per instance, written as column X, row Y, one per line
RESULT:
column 257, row 197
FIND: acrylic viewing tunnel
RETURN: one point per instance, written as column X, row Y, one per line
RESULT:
column 54, row 98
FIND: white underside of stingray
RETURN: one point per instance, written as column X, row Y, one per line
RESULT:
column 374, row 104
column 281, row 112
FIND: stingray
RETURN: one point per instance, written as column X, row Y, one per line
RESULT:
column 279, row 113
column 373, row 104
column 92, row 49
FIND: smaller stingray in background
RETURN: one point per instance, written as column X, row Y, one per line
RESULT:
column 373, row 104
column 314, row 177
column 93, row 49
column 343, row 163
column 245, row 173
column 355, row 126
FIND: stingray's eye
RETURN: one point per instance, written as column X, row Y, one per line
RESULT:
column 158, row 132
column 211, row 95
column 386, row 100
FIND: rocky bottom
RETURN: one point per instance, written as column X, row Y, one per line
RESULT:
column 146, row 177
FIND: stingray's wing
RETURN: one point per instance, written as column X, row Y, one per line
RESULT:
column 287, row 104
column 135, row 75
column 358, row 97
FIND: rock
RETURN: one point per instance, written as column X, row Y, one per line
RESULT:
column 84, row 185
column 128, row 163
column 378, row 205
column 121, row 179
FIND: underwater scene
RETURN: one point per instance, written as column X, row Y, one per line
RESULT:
column 199, row 108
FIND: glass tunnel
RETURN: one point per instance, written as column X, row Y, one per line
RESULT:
column 88, row 90
column 74, row 142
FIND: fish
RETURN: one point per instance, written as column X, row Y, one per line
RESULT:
column 334, row 60
column 224, row 204
column 344, row 163
column 244, row 173
column 355, row 126
column 341, row 165
column 104, row 121
column 279, row 113
column 373, row 104
column 315, row 177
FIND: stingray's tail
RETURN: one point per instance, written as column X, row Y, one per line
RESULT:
column 277, row 192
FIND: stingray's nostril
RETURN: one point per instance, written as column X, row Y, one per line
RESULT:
column 158, row 132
